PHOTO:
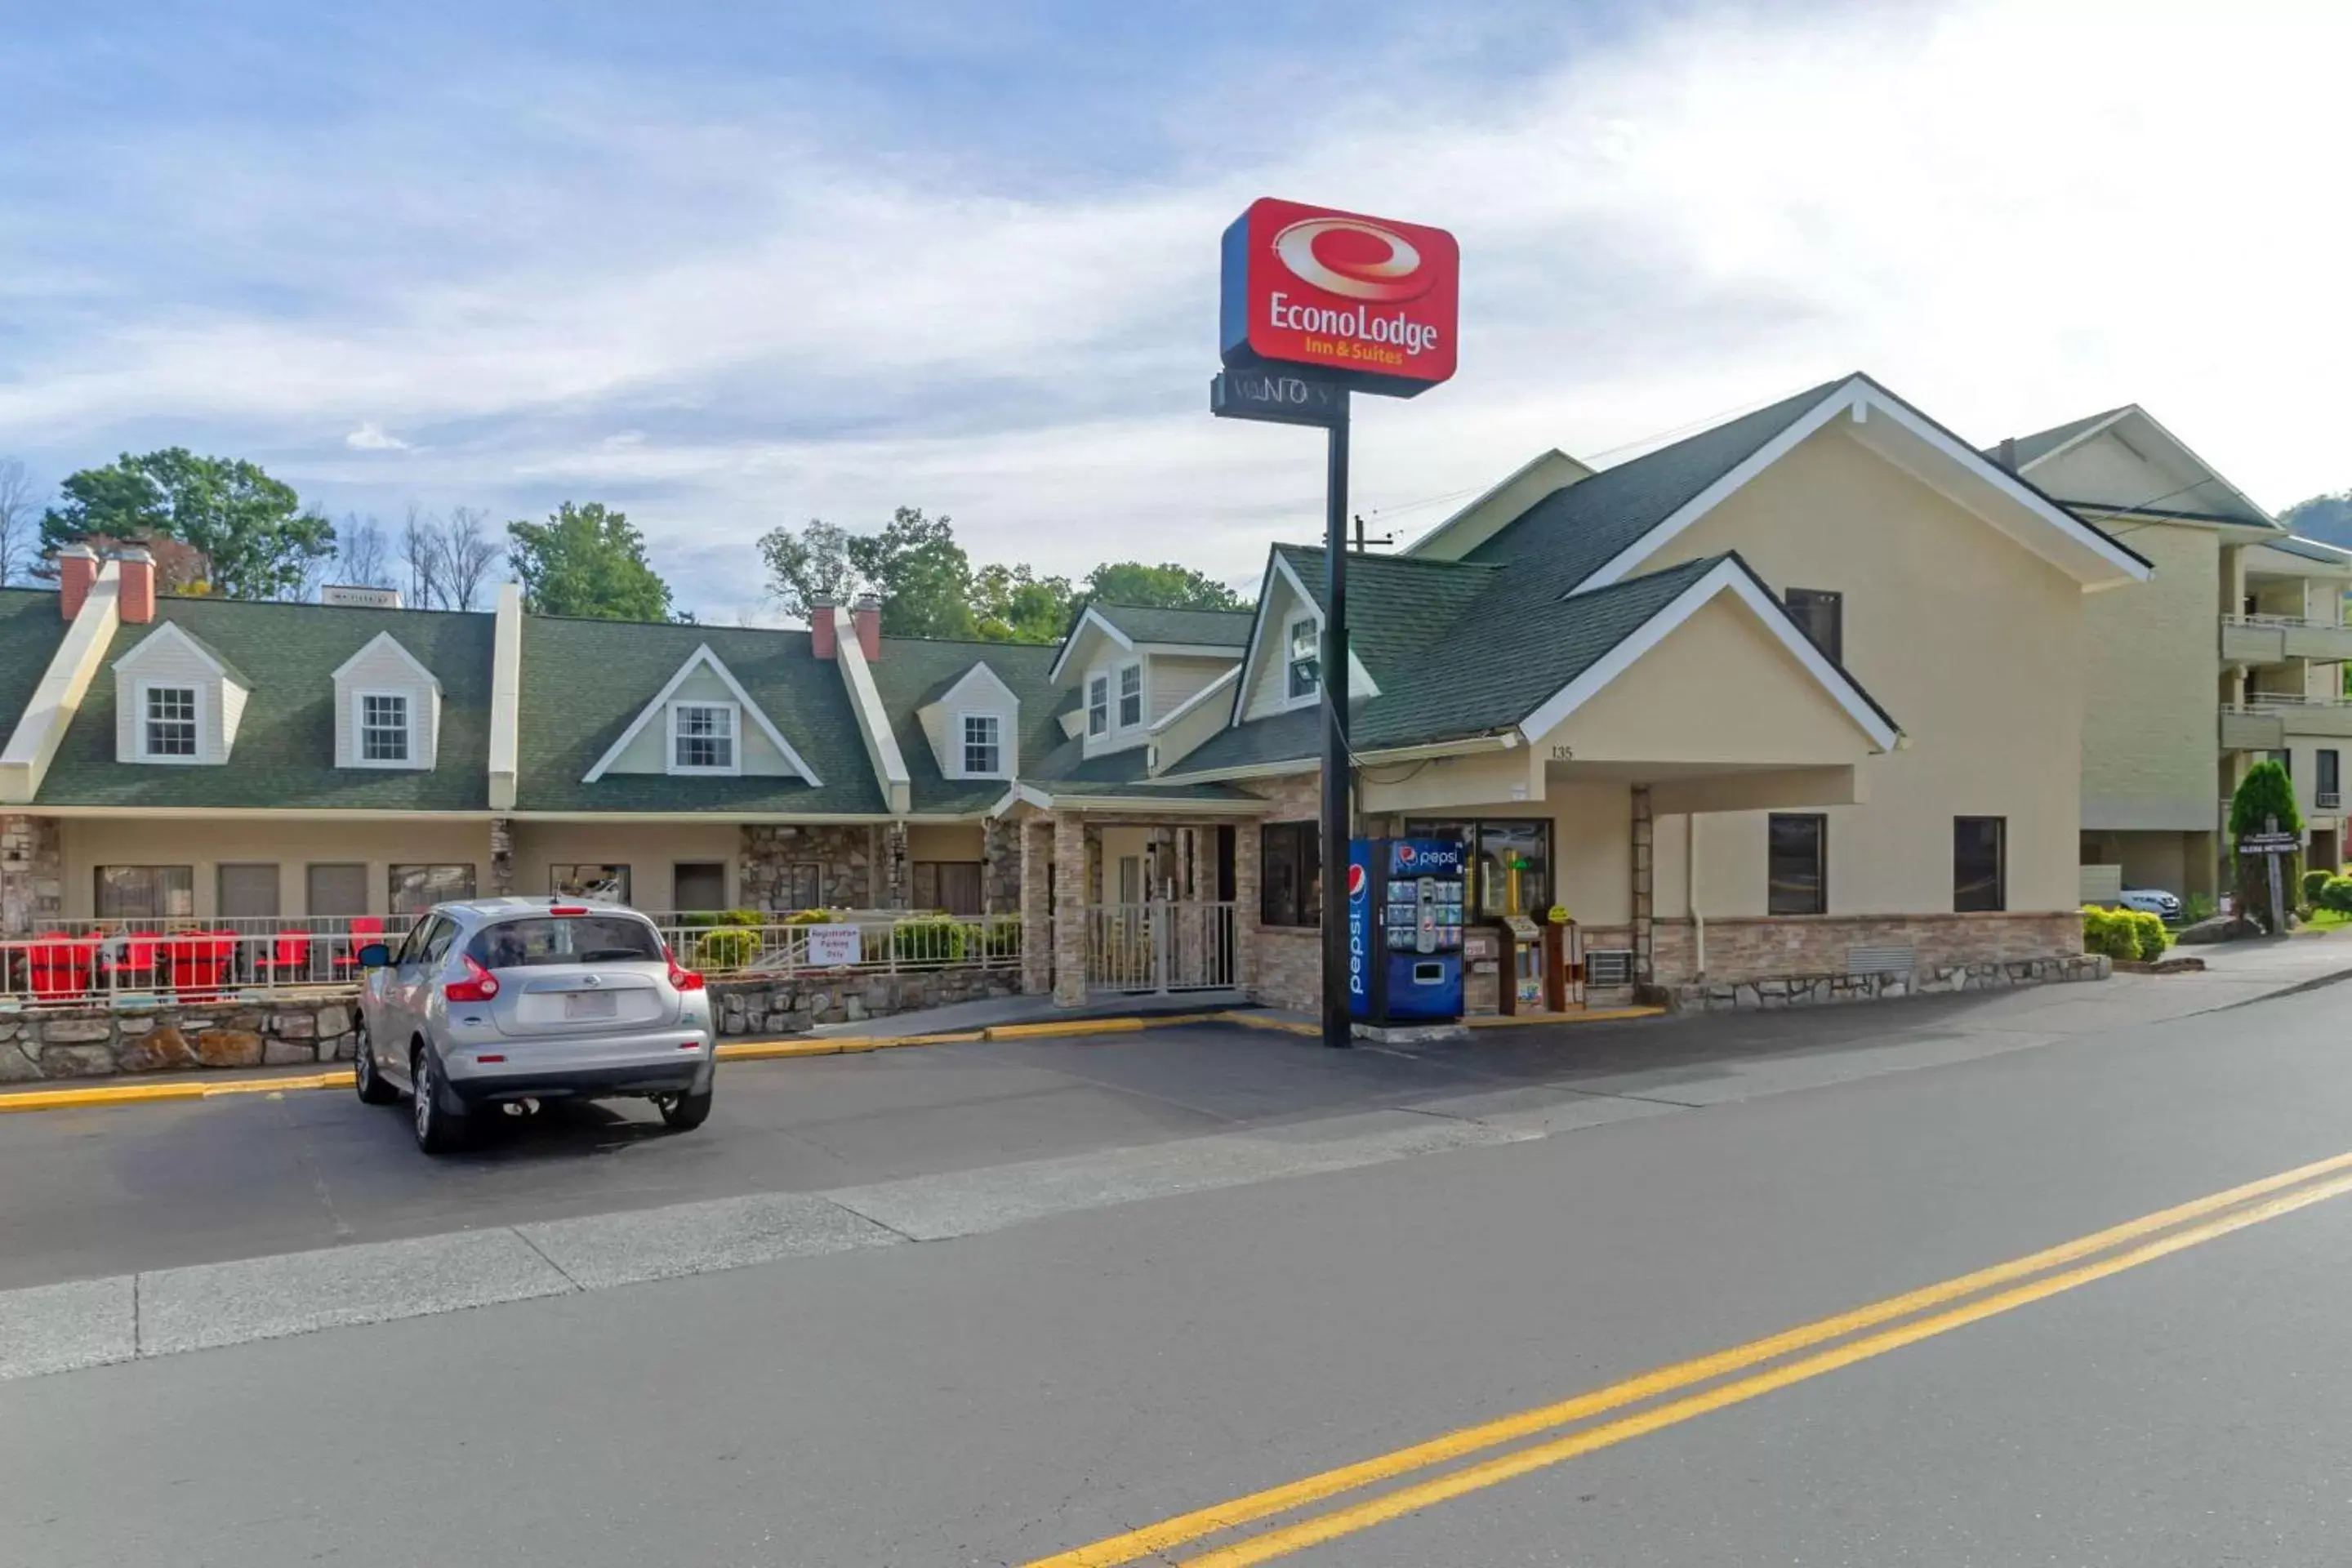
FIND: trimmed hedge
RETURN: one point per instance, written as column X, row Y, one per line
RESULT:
column 2335, row 893
column 727, row 948
column 2312, row 882
column 929, row 939
column 2124, row 935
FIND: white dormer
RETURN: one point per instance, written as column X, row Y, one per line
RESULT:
column 702, row 724
column 974, row 726
column 1118, row 703
column 1285, row 666
column 388, row 709
column 176, row 701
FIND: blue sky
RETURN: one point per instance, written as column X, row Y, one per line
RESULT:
column 731, row 266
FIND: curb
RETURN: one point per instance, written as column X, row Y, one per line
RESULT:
column 139, row 1094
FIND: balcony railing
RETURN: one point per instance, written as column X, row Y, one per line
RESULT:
column 104, row 963
column 2274, row 639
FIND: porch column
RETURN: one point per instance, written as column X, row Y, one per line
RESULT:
column 501, row 856
column 1037, row 904
column 897, row 874
column 1644, row 834
column 1070, row 910
column 1245, row 904
column 32, row 874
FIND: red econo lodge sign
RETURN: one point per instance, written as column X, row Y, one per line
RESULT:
column 1369, row 301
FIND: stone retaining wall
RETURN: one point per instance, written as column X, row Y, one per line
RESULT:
column 96, row 1043
column 1818, row 990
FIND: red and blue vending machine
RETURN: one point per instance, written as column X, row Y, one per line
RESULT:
column 1405, row 929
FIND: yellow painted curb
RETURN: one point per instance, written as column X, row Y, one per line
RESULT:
column 140, row 1093
column 1261, row 1021
column 1594, row 1016
column 1064, row 1026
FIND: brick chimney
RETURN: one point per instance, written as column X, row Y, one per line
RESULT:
column 77, row 570
column 138, row 590
column 867, row 616
column 821, row 627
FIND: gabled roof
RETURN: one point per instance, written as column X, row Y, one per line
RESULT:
column 702, row 658
column 30, row 630
column 913, row 671
column 170, row 631
column 584, row 681
column 1130, row 624
column 285, row 754
column 1399, row 607
column 2209, row 496
column 2032, row 450
column 976, row 673
column 385, row 639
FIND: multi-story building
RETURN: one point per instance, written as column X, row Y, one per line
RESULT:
column 2233, row 653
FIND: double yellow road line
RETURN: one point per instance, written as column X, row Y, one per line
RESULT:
column 1373, row 1492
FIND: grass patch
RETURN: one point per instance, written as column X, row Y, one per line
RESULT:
column 2325, row 920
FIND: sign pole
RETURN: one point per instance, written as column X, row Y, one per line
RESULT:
column 1338, row 1028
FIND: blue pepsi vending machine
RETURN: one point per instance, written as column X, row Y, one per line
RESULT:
column 1405, row 929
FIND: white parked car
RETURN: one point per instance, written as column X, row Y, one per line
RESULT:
column 2151, row 902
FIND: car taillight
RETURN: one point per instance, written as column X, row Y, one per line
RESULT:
column 680, row 979
column 479, row 984
column 567, row 908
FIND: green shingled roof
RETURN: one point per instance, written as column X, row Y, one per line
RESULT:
column 2041, row 443
column 585, row 681
column 284, row 754
column 913, row 671
column 30, row 630
column 1199, row 628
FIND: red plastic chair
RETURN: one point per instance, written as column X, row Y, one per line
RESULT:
column 289, row 956
column 200, row 963
column 364, row 929
column 143, row 953
column 60, row 966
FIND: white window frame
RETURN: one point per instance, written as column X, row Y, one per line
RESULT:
column 964, row 744
column 360, row 759
column 1097, row 680
column 1290, row 660
column 195, row 688
column 734, row 764
column 1142, row 696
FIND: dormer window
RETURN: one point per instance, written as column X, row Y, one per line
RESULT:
column 1098, row 705
column 167, row 726
column 384, row 738
column 983, row 745
column 702, row 738
column 1306, row 658
column 1131, row 695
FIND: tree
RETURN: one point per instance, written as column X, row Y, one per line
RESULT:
column 420, row 552
column 587, row 561
column 2327, row 518
column 1167, row 587
column 360, row 554
column 1011, row 603
column 20, row 497
column 255, row 538
column 469, row 556
column 809, row 568
column 921, row 573
column 2264, row 803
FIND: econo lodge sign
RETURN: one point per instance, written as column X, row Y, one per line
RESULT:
column 1369, row 301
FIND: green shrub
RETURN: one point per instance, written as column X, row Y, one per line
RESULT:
column 1001, row 938
column 726, row 948
column 813, row 918
column 2312, row 882
column 2148, row 930
column 696, row 920
column 743, row 918
column 2264, row 797
column 2198, row 907
column 2336, row 893
column 932, row 940
column 2126, row 936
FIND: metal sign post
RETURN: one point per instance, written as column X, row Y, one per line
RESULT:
column 1339, row 1029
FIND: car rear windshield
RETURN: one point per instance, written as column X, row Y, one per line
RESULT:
column 564, row 939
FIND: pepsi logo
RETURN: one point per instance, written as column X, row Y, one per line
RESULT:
column 1355, row 880
column 1406, row 854
column 1353, row 259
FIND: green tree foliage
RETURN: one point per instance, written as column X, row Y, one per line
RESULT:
column 254, row 536
column 810, row 567
column 587, row 561
column 2327, row 516
column 1011, row 603
column 921, row 573
column 2265, row 800
column 1167, row 587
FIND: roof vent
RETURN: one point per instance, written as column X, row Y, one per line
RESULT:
column 352, row 596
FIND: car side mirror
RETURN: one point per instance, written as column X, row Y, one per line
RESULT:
column 375, row 955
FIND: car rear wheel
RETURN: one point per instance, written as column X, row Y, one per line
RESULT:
column 369, row 1083
column 439, row 1129
column 685, row 1112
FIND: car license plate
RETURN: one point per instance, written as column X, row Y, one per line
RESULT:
column 588, row 1005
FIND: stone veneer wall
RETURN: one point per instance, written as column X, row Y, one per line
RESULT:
column 1759, row 946
column 791, row 1006
column 1289, row 969
column 32, row 874
column 1282, row 965
column 1000, row 861
column 1815, row 990
column 843, row 852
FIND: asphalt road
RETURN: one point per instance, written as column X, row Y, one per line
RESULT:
column 1024, row 1388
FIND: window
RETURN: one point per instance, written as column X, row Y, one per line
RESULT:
column 1796, row 865
column 1290, row 874
column 698, row 885
column 1978, row 863
column 589, row 884
column 2331, row 780
column 384, row 726
column 983, row 749
column 248, row 892
column 167, row 728
column 146, row 892
column 950, row 885
column 416, row 888
column 1098, row 705
column 800, row 886
column 1510, row 860
column 702, row 737
column 441, row 932
column 339, row 889
column 1821, row 614
column 537, row 939
column 1306, row 663
column 1131, row 695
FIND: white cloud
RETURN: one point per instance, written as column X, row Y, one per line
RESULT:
column 372, row 438
column 2012, row 213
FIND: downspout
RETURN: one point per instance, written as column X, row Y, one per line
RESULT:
column 1690, row 894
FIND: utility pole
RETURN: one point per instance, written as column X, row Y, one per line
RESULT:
column 1339, row 1029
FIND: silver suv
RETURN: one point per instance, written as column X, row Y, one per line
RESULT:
column 498, row 1000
